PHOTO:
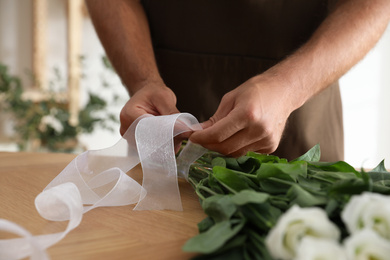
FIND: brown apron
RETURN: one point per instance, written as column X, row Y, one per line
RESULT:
column 205, row 48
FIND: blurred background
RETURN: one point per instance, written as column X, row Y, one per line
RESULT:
column 58, row 92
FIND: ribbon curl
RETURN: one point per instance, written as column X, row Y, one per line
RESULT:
column 98, row 179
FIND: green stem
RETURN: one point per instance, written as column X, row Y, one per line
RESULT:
column 199, row 194
column 251, row 176
column 206, row 189
column 193, row 182
column 321, row 179
column 227, row 187
column 198, row 187
column 256, row 236
column 201, row 169
column 256, row 213
column 282, row 181
column 279, row 198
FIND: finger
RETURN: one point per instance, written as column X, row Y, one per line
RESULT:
column 178, row 140
column 248, row 139
column 229, row 148
column 260, row 147
column 207, row 124
column 181, row 137
column 165, row 106
column 223, row 110
column 168, row 110
column 220, row 130
column 234, row 143
column 260, row 141
column 128, row 116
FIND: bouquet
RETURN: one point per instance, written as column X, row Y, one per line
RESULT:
column 265, row 207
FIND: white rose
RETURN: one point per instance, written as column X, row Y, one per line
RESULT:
column 367, row 245
column 283, row 240
column 51, row 121
column 368, row 210
column 312, row 248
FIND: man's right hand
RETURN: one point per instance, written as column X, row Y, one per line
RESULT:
column 123, row 29
column 155, row 99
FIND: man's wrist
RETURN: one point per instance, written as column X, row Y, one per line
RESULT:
column 134, row 87
column 287, row 89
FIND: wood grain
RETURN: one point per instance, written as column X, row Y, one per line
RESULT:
column 104, row 233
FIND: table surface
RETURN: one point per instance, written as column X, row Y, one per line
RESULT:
column 104, row 233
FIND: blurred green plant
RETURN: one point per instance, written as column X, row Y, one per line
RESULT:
column 47, row 120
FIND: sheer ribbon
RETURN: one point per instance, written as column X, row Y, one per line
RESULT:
column 98, row 179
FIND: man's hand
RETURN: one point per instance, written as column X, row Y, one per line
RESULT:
column 252, row 117
column 123, row 29
column 154, row 99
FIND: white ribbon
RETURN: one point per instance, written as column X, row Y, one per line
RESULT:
column 98, row 178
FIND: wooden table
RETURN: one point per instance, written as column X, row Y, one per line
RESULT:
column 104, row 233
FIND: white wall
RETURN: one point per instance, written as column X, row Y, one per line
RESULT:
column 15, row 50
column 365, row 89
column 16, row 35
column 365, row 92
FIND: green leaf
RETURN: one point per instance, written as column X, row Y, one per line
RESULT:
column 303, row 198
column 236, row 242
column 258, row 249
column 248, row 164
column 331, row 207
column 233, row 254
column 347, row 187
column 219, row 207
column 214, row 238
column 214, row 184
column 263, row 216
column 249, row 196
column 231, row 163
column 311, row 183
column 265, row 158
column 380, row 167
column 289, row 172
column 383, row 189
column 231, row 179
column 275, row 186
column 339, row 166
column 262, row 187
column 205, row 224
column 219, row 161
column 379, row 174
column 313, row 155
column 332, row 177
column 367, row 180
column 280, row 204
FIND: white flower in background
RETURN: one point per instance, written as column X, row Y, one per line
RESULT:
column 283, row 240
column 312, row 248
column 52, row 121
column 368, row 210
column 367, row 245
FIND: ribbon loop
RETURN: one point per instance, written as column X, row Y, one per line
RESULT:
column 98, row 178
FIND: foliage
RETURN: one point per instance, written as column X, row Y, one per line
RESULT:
column 245, row 197
column 47, row 120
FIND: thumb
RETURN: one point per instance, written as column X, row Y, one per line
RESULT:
column 126, row 118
